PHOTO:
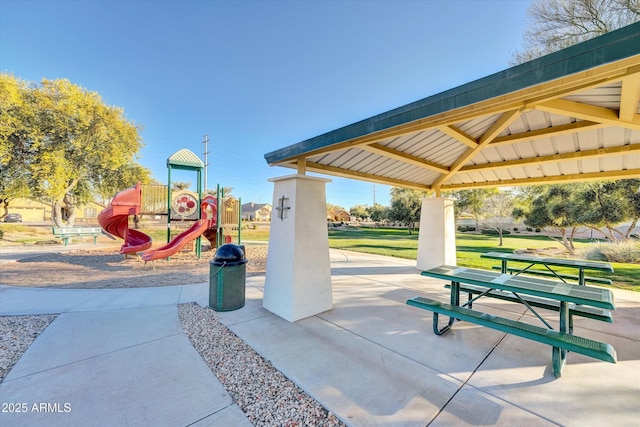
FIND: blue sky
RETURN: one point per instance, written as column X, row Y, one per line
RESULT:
column 257, row 76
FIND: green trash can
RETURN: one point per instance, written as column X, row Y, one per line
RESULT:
column 227, row 275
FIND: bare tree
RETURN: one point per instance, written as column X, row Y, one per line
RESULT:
column 497, row 212
column 555, row 24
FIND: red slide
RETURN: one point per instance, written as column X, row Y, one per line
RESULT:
column 209, row 210
column 115, row 220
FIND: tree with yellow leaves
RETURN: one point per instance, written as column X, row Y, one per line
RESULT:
column 60, row 142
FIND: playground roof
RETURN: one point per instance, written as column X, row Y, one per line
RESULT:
column 571, row 115
column 185, row 159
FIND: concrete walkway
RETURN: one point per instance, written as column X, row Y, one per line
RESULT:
column 119, row 357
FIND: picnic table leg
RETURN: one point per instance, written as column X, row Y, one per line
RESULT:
column 455, row 300
column 581, row 276
column 503, row 267
column 559, row 355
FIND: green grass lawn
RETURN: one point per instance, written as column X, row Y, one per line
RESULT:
column 398, row 243
column 382, row 241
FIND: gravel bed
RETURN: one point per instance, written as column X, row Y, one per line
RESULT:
column 16, row 335
column 260, row 390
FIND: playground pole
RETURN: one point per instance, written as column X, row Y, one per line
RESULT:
column 239, row 219
column 169, row 206
column 218, row 216
column 221, row 213
column 199, row 239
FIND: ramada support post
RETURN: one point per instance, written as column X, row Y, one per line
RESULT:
column 437, row 238
column 298, row 276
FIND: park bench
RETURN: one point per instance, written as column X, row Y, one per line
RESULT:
column 567, row 299
column 68, row 233
column 545, row 303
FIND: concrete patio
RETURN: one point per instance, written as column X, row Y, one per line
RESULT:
column 119, row 357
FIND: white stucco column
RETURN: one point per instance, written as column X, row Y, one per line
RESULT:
column 298, row 276
column 437, row 238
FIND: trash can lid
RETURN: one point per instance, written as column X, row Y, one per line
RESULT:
column 229, row 253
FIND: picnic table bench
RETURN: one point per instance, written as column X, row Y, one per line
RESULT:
column 67, row 233
column 547, row 263
column 567, row 299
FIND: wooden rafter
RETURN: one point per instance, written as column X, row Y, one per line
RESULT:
column 494, row 130
column 404, row 157
column 459, row 135
column 559, row 179
column 630, row 97
column 577, row 155
column 301, row 165
column 346, row 173
column 592, row 113
column 568, row 128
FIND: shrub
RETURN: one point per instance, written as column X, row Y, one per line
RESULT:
column 493, row 232
column 627, row 252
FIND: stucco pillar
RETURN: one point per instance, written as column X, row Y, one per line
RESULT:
column 298, row 276
column 437, row 238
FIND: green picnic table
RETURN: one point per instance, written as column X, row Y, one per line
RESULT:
column 572, row 300
column 548, row 262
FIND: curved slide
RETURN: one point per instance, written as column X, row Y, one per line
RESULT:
column 115, row 220
column 208, row 209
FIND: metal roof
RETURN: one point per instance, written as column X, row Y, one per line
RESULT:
column 571, row 115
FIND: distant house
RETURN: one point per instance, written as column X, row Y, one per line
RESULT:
column 338, row 215
column 256, row 211
column 36, row 210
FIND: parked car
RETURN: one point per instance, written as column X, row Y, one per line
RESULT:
column 13, row 217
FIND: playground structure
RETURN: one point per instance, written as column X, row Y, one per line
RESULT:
column 207, row 221
column 215, row 219
column 115, row 220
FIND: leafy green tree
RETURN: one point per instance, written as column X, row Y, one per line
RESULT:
column 406, row 205
column 556, row 24
column 605, row 205
column 62, row 143
column 556, row 211
column 524, row 197
column 378, row 213
column 15, row 113
column 471, row 201
column 359, row 212
column 601, row 206
column 179, row 186
column 128, row 175
column 224, row 191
